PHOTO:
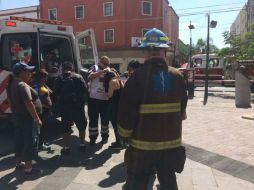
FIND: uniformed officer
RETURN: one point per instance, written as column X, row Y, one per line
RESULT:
column 151, row 110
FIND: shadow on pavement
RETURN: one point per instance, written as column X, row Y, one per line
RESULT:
column 51, row 162
column 117, row 174
column 97, row 160
column 219, row 162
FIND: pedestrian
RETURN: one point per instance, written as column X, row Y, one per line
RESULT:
column 44, row 92
column 70, row 89
column 132, row 66
column 24, row 114
column 98, row 101
column 151, row 109
column 113, row 86
column 53, row 66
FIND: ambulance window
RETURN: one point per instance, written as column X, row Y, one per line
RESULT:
column 59, row 45
column 18, row 47
column 86, row 52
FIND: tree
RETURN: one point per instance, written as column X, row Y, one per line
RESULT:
column 201, row 46
column 239, row 48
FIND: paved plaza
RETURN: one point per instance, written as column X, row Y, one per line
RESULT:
column 220, row 154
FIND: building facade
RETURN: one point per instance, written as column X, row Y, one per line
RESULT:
column 29, row 12
column 245, row 20
column 118, row 24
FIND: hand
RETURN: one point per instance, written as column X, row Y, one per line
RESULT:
column 38, row 123
column 106, row 70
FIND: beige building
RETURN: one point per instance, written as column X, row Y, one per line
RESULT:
column 28, row 12
column 239, row 26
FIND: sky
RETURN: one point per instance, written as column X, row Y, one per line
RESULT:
column 224, row 19
column 200, row 21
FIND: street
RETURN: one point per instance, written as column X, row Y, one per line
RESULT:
column 220, row 154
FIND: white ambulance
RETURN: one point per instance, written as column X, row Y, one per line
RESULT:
column 29, row 40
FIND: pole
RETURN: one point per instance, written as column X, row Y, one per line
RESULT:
column 207, row 60
column 190, row 46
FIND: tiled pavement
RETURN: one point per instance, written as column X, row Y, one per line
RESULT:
column 219, row 143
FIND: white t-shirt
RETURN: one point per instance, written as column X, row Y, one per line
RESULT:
column 96, row 87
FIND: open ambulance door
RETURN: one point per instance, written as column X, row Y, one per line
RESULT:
column 86, row 48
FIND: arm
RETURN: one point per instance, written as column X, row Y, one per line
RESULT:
column 110, row 89
column 31, row 109
column 94, row 75
column 128, row 108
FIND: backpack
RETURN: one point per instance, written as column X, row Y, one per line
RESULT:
column 66, row 91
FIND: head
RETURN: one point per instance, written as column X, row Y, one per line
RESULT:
column 67, row 66
column 155, row 44
column 104, row 62
column 132, row 66
column 50, row 55
column 41, row 76
column 23, row 71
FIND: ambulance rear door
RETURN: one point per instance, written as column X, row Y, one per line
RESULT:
column 86, row 49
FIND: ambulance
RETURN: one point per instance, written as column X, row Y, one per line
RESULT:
column 29, row 40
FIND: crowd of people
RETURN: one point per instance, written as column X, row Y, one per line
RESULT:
column 146, row 111
column 36, row 97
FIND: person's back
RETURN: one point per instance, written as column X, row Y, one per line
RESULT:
column 151, row 110
column 158, row 92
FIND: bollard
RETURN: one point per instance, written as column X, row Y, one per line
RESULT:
column 242, row 89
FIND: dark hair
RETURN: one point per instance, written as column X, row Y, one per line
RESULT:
column 40, row 74
column 107, row 77
column 134, row 64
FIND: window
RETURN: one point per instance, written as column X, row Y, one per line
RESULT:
column 146, row 8
column 213, row 62
column 109, row 36
column 144, row 30
column 52, row 14
column 18, row 47
column 60, row 45
column 108, row 9
column 79, row 12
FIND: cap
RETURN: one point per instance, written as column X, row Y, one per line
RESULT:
column 21, row 66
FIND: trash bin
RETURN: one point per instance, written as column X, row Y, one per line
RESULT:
column 242, row 89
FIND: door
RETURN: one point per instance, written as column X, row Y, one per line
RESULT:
column 86, row 49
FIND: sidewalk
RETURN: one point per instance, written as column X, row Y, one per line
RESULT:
column 220, row 151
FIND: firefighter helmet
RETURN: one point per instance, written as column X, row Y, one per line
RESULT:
column 155, row 38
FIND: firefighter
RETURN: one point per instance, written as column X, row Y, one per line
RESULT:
column 151, row 110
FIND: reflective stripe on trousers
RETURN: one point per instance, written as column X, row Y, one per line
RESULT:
column 145, row 145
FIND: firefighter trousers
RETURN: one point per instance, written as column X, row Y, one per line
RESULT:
column 143, row 165
column 98, row 108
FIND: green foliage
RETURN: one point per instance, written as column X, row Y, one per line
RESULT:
column 239, row 48
column 201, row 47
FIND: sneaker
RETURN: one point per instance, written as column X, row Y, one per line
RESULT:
column 65, row 151
column 116, row 145
column 104, row 140
column 82, row 148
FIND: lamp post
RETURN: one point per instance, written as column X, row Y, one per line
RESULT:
column 211, row 24
column 190, row 27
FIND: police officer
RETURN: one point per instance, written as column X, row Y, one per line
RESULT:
column 151, row 110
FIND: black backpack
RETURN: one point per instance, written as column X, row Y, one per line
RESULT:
column 66, row 91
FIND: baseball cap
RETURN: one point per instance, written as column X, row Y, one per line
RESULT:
column 21, row 66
